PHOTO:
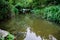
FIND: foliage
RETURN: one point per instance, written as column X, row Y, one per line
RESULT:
column 9, row 6
column 52, row 13
column 4, row 10
column 36, row 11
column 24, row 3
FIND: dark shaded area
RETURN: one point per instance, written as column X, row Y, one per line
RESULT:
column 52, row 2
column 5, row 12
column 22, row 10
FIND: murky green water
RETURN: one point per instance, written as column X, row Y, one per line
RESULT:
column 38, row 28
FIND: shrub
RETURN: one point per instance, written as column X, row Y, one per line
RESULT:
column 52, row 13
column 5, row 12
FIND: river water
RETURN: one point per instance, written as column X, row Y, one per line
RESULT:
column 30, row 27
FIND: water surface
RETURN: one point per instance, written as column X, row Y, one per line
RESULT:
column 19, row 26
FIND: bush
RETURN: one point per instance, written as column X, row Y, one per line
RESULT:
column 52, row 13
column 5, row 12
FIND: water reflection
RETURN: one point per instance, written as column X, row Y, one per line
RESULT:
column 32, row 36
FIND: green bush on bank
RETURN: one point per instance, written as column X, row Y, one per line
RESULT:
column 52, row 13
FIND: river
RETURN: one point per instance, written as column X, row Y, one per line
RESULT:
column 30, row 27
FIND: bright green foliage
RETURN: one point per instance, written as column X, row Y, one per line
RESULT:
column 10, row 37
column 52, row 13
column 25, row 3
column 1, row 38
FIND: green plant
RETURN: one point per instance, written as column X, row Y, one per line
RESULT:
column 52, row 13
column 36, row 11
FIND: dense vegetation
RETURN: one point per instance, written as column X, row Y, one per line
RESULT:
column 52, row 13
column 4, row 10
column 50, row 8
